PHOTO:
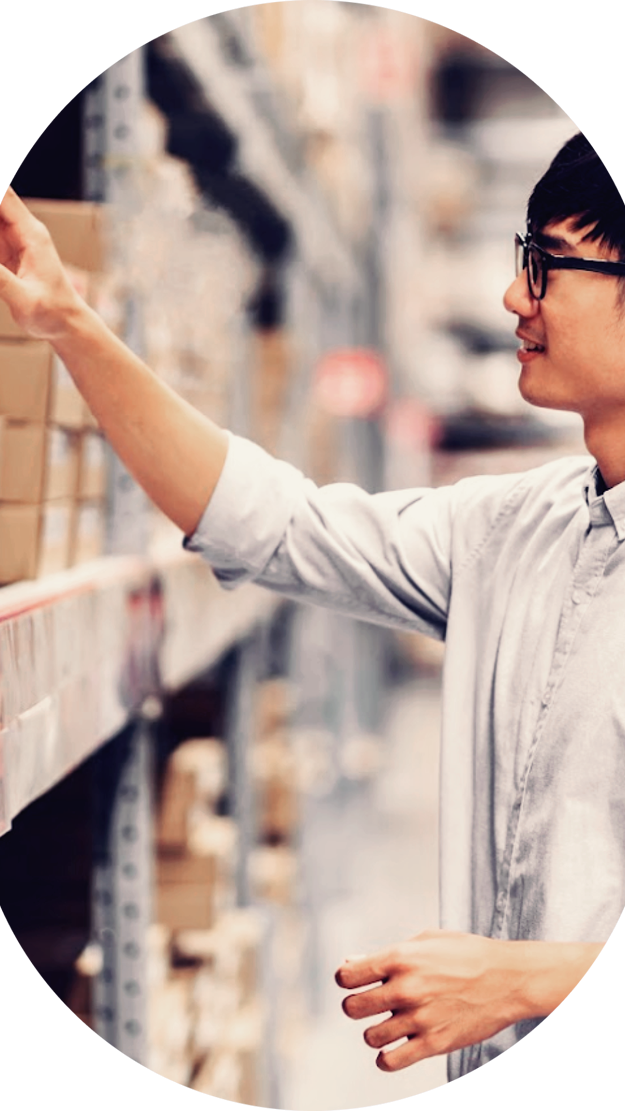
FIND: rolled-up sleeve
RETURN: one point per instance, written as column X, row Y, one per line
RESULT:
column 381, row 557
column 248, row 513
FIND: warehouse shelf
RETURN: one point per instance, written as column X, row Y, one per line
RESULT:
column 80, row 652
column 261, row 156
column 108, row 668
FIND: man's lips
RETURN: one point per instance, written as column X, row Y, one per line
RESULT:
column 529, row 348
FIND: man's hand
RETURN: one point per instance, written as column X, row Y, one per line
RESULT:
column 172, row 450
column 447, row 990
column 33, row 282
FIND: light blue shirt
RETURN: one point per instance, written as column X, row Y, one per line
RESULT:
column 523, row 576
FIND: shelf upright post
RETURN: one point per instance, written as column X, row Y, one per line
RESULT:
column 122, row 886
column 110, row 152
column 364, row 443
column 122, row 880
column 245, row 669
column 239, row 729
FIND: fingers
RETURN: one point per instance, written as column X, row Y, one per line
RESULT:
column 359, row 971
column 420, row 1041
column 19, row 229
column 12, row 209
column 404, row 1024
column 8, row 282
column 366, row 1003
column 415, row 1049
column 10, row 291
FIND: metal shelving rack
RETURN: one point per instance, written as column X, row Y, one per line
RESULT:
column 87, row 657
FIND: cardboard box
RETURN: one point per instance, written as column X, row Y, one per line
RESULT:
column 35, row 385
column 91, row 466
column 61, row 466
column 205, row 760
column 77, row 229
column 178, row 796
column 172, row 871
column 19, row 542
column 34, row 540
column 37, row 463
column 196, row 773
column 55, row 534
column 194, row 887
column 25, row 378
column 185, row 906
column 214, row 835
column 22, row 462
column 88, row 531
column 67, row 407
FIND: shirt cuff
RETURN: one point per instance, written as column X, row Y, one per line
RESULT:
column 247, row 514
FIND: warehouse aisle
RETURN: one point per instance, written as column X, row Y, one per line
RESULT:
column 373, row 853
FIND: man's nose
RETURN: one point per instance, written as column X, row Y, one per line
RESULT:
column 518, row 299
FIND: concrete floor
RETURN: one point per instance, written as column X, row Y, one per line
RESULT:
column 373, row 855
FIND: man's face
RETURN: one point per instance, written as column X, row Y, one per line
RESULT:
column 579, row 327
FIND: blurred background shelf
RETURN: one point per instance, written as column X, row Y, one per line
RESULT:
column 222, row 55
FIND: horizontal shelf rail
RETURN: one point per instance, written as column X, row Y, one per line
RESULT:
column 82, row 650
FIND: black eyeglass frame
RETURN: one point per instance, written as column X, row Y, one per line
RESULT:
column 549, row 262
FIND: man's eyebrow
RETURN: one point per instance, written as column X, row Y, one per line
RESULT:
column 553, row 243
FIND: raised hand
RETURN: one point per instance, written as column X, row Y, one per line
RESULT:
column 172, row 450
column 33, row 282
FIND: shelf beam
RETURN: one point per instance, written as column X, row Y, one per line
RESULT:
column 81, row 651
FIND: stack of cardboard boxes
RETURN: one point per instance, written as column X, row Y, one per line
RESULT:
column 206, row 1017
column 225, row 983
column 52, row 464
column 197, row 848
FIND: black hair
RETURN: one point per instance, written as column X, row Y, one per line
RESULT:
column 577, row 185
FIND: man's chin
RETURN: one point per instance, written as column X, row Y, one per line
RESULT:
column 535, row 393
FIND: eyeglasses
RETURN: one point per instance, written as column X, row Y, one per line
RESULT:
column 538, row 263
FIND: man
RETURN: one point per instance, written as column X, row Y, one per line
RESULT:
column 523, row 575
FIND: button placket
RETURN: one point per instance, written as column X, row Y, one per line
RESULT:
column 596, row 547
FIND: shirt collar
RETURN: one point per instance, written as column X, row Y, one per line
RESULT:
column 598, row 500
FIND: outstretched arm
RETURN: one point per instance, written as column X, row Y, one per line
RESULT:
column 173, row 451
column 443, row 990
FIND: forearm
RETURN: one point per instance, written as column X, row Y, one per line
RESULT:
column 542, row 973
column 174, row 452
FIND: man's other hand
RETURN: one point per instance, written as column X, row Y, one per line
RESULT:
column 443, row 990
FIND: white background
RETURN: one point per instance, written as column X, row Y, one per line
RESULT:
column 48, row 1059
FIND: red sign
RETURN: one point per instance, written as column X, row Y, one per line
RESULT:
column 410, row 424
column 352, row 382
column 389, row 65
